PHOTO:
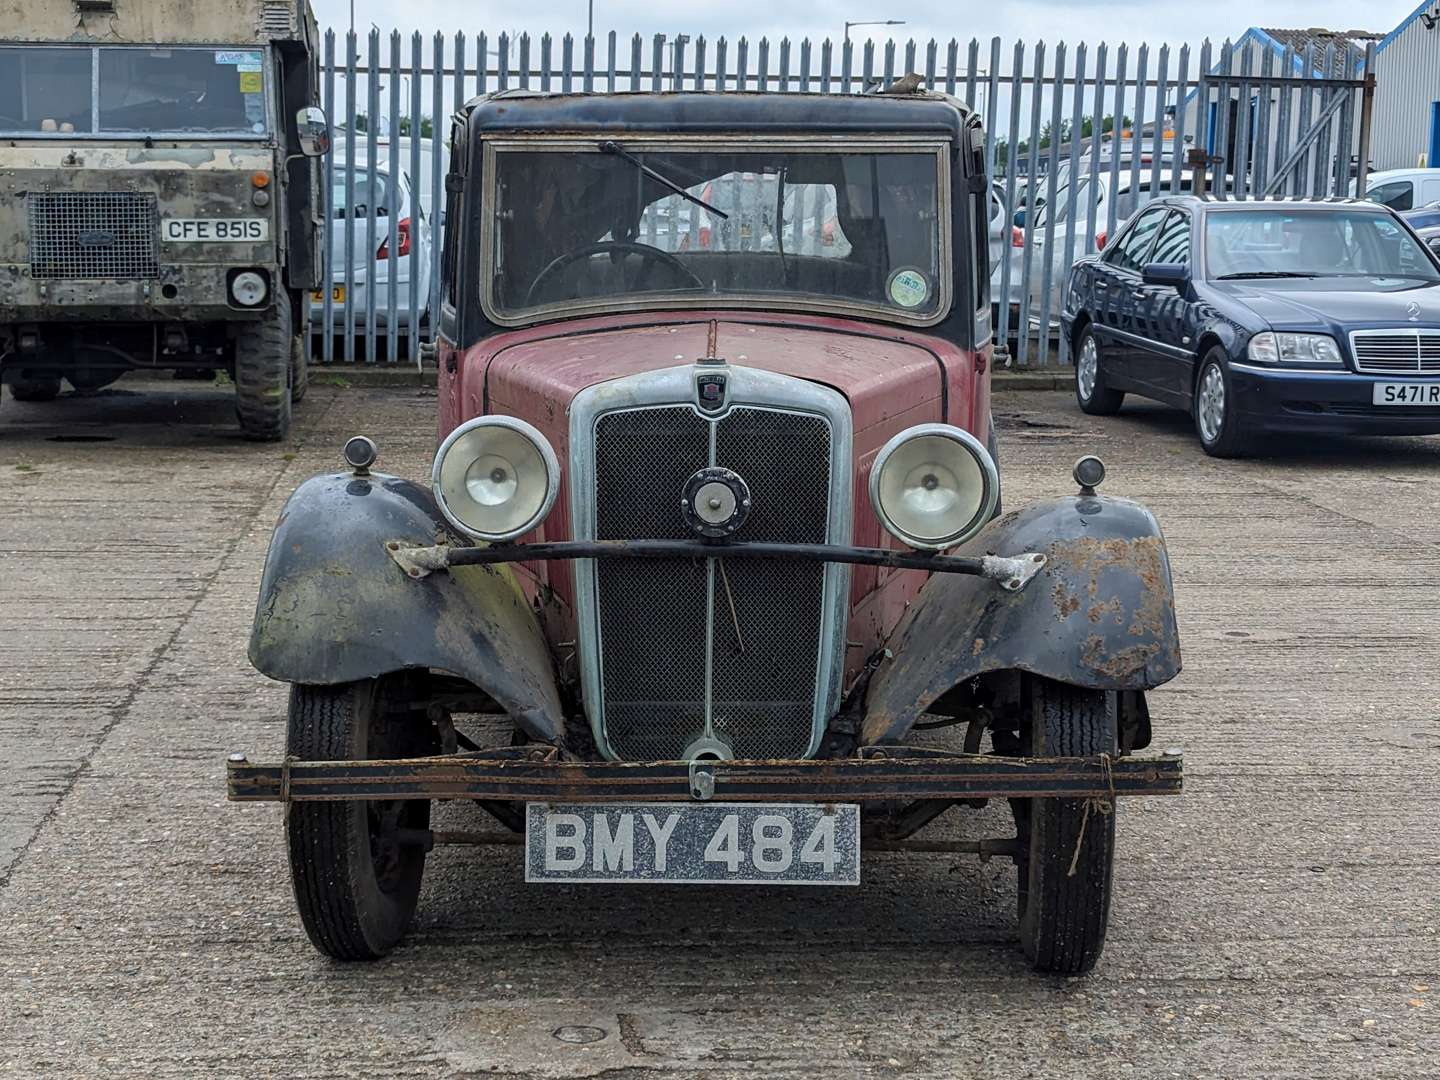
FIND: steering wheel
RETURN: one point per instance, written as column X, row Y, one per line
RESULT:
column 645, row 251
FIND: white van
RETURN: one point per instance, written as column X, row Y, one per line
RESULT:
column 1404, row 189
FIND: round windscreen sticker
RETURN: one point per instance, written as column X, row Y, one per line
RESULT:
column 908, row 288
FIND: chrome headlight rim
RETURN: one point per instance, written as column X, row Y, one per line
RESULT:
column 542, row 446
column 988, row 471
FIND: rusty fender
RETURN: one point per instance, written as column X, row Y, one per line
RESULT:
column 335, row 608
column 1100, row 615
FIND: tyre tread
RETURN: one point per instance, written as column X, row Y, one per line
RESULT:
column 263, row 357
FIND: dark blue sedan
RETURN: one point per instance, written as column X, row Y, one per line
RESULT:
column 1298, row 316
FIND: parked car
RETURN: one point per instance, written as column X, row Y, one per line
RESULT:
column 1301, row 316
column 373, row 266
column 711, row 530
column 1403, row 189
column 1426, row 223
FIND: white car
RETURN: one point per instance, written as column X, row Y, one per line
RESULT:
column 373, row 269
column 1403, row 189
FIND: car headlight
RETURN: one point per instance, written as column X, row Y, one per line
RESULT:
column 1272, row 348
column 495, row 477
column 249, row 288
column 934, row 486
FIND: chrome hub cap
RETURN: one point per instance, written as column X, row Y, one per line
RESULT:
column 1087, row 369
column 1210, row 410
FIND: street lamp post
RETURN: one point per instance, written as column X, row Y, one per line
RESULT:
column 590, row 19
column 873, row 22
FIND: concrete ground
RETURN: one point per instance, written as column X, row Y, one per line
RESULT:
column 1278, row 920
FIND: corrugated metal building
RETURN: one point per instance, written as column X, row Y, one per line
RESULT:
column 1406, row 130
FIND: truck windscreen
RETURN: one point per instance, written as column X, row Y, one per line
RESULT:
column 151, row 91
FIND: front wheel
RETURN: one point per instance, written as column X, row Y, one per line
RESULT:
column 263, row 356
column 1068, row 845
column 1216, row 420
column 356, row 884
column 1091, row 393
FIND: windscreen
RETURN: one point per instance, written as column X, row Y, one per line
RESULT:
column 142, row 91
column 1312, row 244
column 635, row 225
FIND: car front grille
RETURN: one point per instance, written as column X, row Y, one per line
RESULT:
column 1396, row 352
column 92, row 234
column 690, row 646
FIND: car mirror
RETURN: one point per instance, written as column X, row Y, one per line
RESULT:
column 314, row 131
column 1173, row 274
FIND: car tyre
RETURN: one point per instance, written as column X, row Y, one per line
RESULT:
column 1216, row 421
column 1067, row 845
column 355, row 885
column 1091, row 393
column 264, row 351
column 35, row 386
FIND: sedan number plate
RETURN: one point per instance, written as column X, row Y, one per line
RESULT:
column 698, row 843
column 1406, row 393
column 176, row 230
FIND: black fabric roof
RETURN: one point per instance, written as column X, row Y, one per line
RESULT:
column 698, row 112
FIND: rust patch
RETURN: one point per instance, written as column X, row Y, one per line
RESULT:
column 1098, row 611
column 978, row 647
column 1066, row 602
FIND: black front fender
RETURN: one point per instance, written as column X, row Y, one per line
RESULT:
column 1100, row 615
column 334, row 606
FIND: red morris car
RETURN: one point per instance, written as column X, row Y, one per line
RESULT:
column 713, row 530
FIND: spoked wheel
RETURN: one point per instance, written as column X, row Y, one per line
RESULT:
column 1091, row 393
column 1067, row 845
column 1216, row 420
column 355, row 884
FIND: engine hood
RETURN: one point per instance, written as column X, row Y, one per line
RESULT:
column 879, row 375
column 1340, row 303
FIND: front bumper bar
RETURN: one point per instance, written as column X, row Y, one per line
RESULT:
column 879, row 774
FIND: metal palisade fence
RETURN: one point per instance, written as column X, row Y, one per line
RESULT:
column 1076, row 139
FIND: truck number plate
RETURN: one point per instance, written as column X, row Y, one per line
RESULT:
column 693, row 843
column 177, row 230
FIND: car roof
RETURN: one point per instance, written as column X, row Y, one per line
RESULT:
column 1212, row 203
column 701, row 112
column 1400, row 174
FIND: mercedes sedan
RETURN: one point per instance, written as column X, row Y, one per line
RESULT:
column 1319, row 317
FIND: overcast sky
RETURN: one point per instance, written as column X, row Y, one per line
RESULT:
column 1027, row 20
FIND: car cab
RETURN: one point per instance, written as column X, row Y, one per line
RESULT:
column 1307, row 316
column 712, row 524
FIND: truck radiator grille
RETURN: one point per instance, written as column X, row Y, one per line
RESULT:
column 736, row 641
column 92, row 234
column 1386, row 352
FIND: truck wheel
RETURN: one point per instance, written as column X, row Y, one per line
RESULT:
column 263, row 353
column 355, row 885
column 300, row 358
column 1068, row 845
column 35, row 386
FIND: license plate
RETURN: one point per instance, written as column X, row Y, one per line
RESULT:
column 176, row 230
column 693, row 843
column 337, row 294
column 1406, row 393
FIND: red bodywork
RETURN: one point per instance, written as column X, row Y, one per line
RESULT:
column 892, row 378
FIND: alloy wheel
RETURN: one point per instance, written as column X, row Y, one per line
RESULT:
column 1087, row 368
column 1210, row 411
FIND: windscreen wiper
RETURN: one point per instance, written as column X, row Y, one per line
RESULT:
column 1266, row 274
column 610, row 146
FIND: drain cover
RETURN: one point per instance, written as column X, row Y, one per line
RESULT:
column 579, row 1033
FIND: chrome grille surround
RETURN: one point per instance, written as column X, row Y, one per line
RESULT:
column 1400, row 350
column 92, row 234
column 683, row 681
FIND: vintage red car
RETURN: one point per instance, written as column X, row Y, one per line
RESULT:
column 712, row 527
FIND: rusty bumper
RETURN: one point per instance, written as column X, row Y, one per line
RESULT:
column 879, row 774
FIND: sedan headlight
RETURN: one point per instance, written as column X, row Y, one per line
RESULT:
column 1272, row 348
column 495, row 477
column 934, row 486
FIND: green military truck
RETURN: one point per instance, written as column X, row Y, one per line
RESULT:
column 160, row 201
